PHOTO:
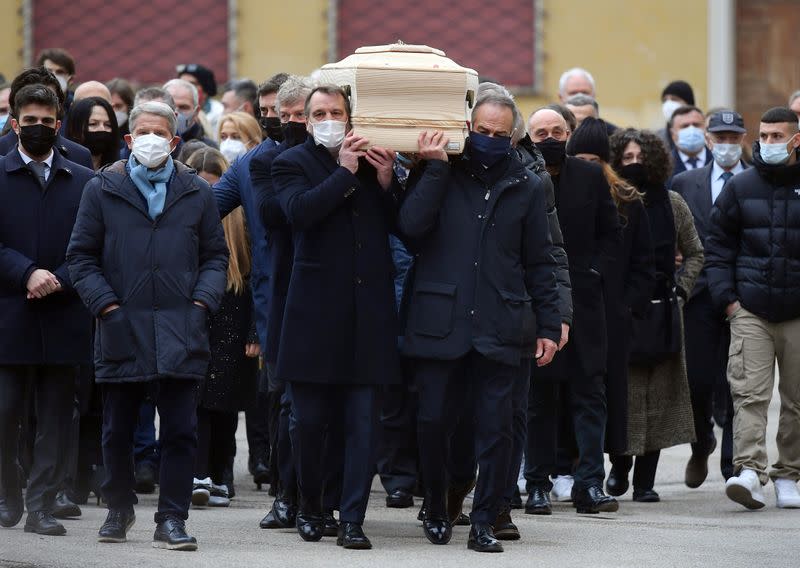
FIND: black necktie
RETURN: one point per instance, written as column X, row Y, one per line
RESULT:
column 38, row 169
column 692, row 162
column 725, row 177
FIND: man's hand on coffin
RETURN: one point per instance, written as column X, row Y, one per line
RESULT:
column 351, row 151
column 432, row 145
column 382, row 159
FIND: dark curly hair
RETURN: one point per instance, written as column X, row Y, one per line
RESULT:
column 655, row 156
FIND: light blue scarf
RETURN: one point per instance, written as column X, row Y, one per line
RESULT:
column 152, row 183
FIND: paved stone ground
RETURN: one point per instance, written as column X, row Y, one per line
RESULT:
column 688, row 528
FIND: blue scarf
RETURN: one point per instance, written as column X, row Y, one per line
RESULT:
column 152, row 184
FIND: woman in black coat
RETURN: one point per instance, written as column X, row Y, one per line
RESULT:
column 628, row 280
column 231, row 382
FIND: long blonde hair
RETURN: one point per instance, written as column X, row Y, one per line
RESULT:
column 210, row 160
column 622, row 192
column 245, row 124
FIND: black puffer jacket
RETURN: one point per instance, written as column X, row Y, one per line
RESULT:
column 753, row 251
column 153, row 270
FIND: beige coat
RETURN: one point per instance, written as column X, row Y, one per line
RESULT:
column 659, row 404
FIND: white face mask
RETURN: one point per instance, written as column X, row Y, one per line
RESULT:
column 670, row 107
column 122, row 117
column 329, row 133
column 232, row 149
column 62, row 80
column 151, row 150
column 727, row 155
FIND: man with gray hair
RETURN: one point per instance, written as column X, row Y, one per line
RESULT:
column 794, row 103
column 578, row 81
column 187, row 105
column 582, row 106
column 483, row 298
column 148, row 257
column 153, row 94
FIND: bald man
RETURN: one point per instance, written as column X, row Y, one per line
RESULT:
column 92, row 89
column 590, row 225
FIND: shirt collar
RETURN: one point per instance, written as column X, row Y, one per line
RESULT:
column 717, row 171
column 27, row 159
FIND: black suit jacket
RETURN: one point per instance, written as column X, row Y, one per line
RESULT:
column 695, row 188
column 678, row 166
column 70, row 150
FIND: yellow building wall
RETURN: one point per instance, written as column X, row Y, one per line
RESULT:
column 11, row 38
column 633, row 48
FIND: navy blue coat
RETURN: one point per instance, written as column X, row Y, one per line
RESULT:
column 233, row 190
column 279, row 245
column 154, row 270
column 340, row 322
column 68, row 149
column 481, row 281
column 35, row 227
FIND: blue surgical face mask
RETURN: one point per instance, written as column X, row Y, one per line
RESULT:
column 774, row 154
column 727, row 155
column 489, row 150
column 3, row 120
column 691, row 139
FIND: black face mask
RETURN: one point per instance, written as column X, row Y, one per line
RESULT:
column 553, row 151
column 37, row 139
column 271, row 125
column 636, row 174
column 294, row 133
column 98, row 142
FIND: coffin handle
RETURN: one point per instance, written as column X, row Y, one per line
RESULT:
column 470, row 98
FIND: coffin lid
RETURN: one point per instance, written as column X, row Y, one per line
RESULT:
column 400, row 56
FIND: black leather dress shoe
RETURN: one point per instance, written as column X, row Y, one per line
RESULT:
column 118, row 523
column 285, row 511
column 64, row 508
column 310, row 527
column 43, row 522
column 538, row 502
column 260, row 473
column 617, row 483
column 462, row 521
column 437, row 531
column 331, row 524
column 352, row 537
column 481, row 539
column 270, row 522
column 421, row 513
column 11, row 508
column 591, row 500
column 455, row 499
column 399, row 499
column 504, row 527
column 645, row 496
column 171, row 534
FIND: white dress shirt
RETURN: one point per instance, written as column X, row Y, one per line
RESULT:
column 716, row 178
column 701, row 159
column 48, row 162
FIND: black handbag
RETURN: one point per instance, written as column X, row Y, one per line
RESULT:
column 657, row 333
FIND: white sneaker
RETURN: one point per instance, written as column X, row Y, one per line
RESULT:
column 787, row 495
column 562, row 488
column 201, row 491
column 219, row 496
column 746, row 489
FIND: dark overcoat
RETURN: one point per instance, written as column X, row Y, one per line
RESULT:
column 591, row 229
column 35, row 226
column 483, row 280
column 279, row 245
column 340, row 322
column 155, row 270
column 628, row 286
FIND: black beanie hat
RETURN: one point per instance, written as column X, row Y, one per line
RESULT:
column 591, row 137
column 204, row 76
column 680, row 89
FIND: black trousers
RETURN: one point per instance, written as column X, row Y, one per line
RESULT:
column 176, row 401
column 587, row 409
column 257, row 423
column 644, row 469
column 274, row 412
column 519, row 428
column 707, row 340
column 397, row 460
column 321, row 414
column 52, row 389
column 445, row 389
column 216, row 441
column 282, row 452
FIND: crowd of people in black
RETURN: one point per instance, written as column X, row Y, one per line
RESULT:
column 494, row 321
